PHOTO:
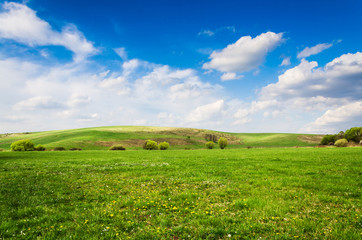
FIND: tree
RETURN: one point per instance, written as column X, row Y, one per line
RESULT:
column 22, row 145
column 223, row 142
column 353, row 134
column 211, row 137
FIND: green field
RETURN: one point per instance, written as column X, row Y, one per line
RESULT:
column 269, row 193
column 102, row 138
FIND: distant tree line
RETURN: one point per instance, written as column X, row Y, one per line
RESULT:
column 350, row 135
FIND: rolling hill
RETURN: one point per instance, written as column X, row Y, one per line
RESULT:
column 132, row 137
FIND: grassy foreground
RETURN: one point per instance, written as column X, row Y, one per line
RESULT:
column 294, row 193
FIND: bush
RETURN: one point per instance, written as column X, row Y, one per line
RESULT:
column 210, row 145
column 341, row 143
column 39, row 148
column 327, row 139
column 223, row 142
column 75, row 149
column 117, row 147
column 22, row 145
column 59, row 149
column 163, row 146
column 150, row 145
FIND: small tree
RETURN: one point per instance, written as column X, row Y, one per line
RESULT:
column 210, row 145
column 150, row 145
column 163, row 146
column 211, row 137
column 354, row 134
column 341, row 143
column 22, row 145
column 223, row 142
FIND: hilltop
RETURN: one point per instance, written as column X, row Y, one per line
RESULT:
column 132, row 137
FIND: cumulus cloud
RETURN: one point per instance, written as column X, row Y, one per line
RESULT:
column 334, row 120
column 20, row 23
column 206, row 112
column 340, row 78
column 244, row 55
column 309, row 51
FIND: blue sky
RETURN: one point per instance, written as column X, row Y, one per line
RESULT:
column 241, row 66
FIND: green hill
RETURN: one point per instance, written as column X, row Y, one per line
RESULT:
column 132, row 137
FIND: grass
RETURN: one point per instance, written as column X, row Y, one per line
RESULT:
column 279, row 193
column 101, row 138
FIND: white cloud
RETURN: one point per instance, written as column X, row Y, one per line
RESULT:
column 79, row 99
column 340, row 78
column 206, row 112
column 39, row 102
column 308, row 51
column 112, row 82
column 334, row 120
column 20, row 23
column 230, row 76
column 246, row 54
column 285, row 62
column 122, row 53
column 208, row 33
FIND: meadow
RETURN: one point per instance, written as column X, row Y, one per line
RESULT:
column 133, row 137
column 270, row 193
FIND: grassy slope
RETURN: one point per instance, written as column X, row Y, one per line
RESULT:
column 132, row 137
column 295, row 193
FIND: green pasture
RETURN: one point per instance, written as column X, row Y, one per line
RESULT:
column 270, row 193
column 132, row 137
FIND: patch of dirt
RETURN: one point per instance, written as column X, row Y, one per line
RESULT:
column 132, row 142
column 316, row 139
column 106, row 143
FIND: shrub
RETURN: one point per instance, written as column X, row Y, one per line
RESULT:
column 75, row 149
column 150, row 145
column 341, row 143
column 22, row 145
column 223, row 142
column 210, row 145
column 117, row 147
column 39, row 148
column 327, row 139
column 163, row 146
column 59, row 149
